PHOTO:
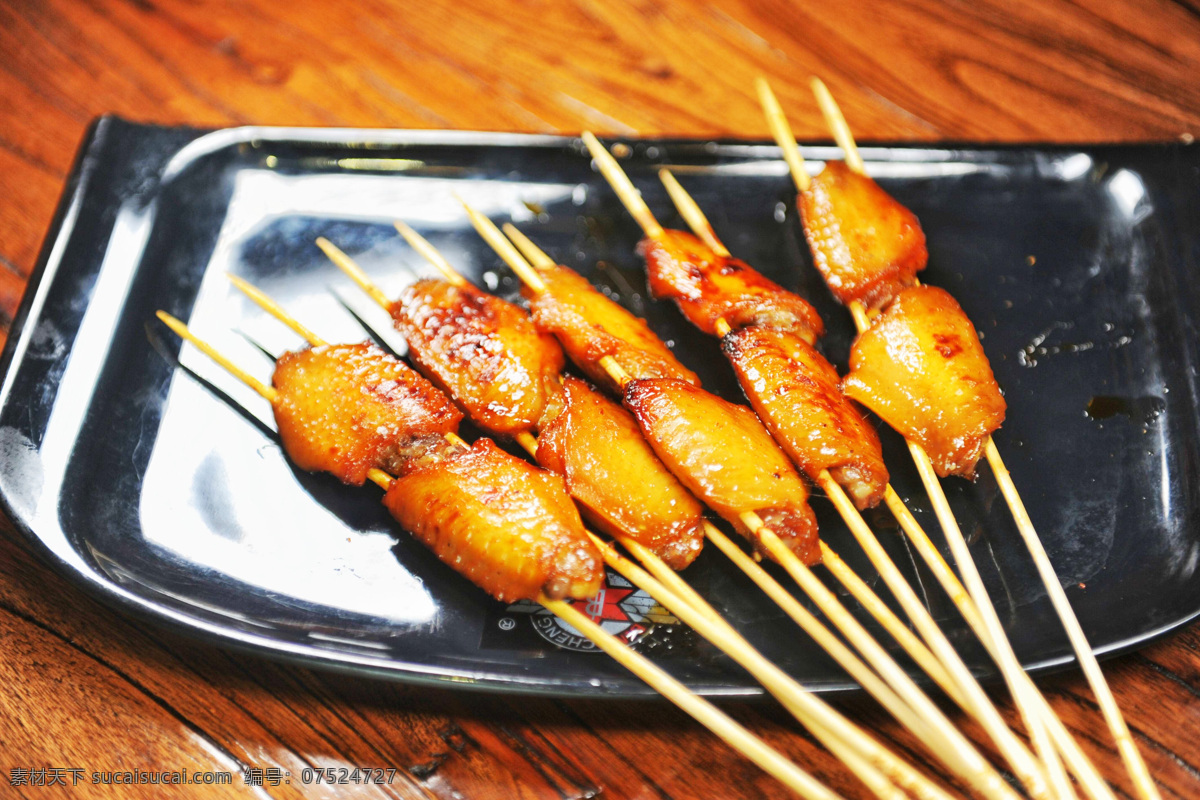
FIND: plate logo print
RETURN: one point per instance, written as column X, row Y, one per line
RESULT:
column 619, row 607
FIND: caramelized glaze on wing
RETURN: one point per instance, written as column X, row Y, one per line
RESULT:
column 347, row 408
column 921, row 368
column 867, row 246
column 506, row 525
column 611, row 470
column 482, row 351
column 590, row 326
column 708, row 287
column 797, row 395
column 724, row 455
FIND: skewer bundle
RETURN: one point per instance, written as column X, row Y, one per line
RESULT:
column 979, row 440
column 488, row 359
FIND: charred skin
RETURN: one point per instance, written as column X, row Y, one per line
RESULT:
column 866, row 245
column 797, row 395
column 482, row 351
column 708, row 287
column 345, row 409
column 921, row 368
column 722, row 453
column 504, row 524
column 614, row 474
column 589, row 326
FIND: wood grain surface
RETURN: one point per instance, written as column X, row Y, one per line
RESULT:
column 86, row 687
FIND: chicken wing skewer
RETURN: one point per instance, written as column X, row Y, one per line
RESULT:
column 976, row 607
column 1130, row 755
column 940, row 729
column 999, row 650
column 737, row 736
column 981, row 706
column 893, row 768
column 846, row 741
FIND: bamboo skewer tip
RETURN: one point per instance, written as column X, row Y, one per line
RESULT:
column 626, row 192
column 429, row 252
column 536, row 256
column 837, row 124
column 504, row 248
column 689, row 209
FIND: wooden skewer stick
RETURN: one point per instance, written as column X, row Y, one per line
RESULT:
column 264, row 301
column 431, row 253
column 1087, row 658
column 691, row 213
column 1038, row 725
column 928, row 723
column 742, row 740
column 700, row 616
column 351, row 268
column 534, row 254
column 181, row 330
column 969, row 763
column 959, row 683
column 837, row 124
column 616, row 177
column 738, row 737
column 802, row 708
column 782, row 131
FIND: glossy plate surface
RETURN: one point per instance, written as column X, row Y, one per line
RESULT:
column 163, row 488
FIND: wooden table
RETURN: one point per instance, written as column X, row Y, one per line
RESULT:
column 86, row 687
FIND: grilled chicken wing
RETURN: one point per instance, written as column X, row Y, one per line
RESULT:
column 590, row 326
column 797, row 395
column 482, row 351
column 724, row 455
column 708, row 287
column 347, row 408
column 611, row 470
column 867, row 246
column 503, row 523
column 921, row 368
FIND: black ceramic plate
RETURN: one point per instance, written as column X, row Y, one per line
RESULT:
column 150, row 485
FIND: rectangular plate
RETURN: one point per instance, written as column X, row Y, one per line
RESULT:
column 165, row 490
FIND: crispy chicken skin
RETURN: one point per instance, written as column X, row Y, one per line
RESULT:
column 708, row 287
column 615, row 475
column 482, row 351
column 867, row 246
column 921, row 368
column 797, row 395
column 347, row 408
column 724, row 455
column 590, row 326
column 506, row 525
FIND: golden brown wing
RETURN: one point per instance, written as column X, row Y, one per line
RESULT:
column 482, row 351
column 506, row 525
column 867, row 246
column 347, row 408
column 590, row 326
column 611, row 470
column 708, row 287
column 921, row 368
column 797, row 395
column 724, row 455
